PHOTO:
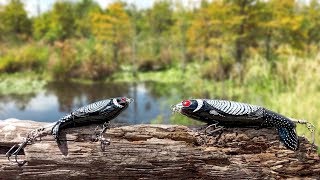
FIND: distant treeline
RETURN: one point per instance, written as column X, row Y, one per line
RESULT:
column 80, row 39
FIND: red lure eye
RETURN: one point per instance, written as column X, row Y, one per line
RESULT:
column 124, row 99
column 186, row 103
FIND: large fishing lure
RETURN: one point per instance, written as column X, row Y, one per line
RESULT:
column 235, row 114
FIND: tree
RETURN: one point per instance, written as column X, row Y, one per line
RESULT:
column 63, row 20
column 312, row 24
column 113, row 27
column 14, row 19
column 199, row 33
column 245, row 27
column 281, row 25
column 160, row 18
column 210, row 33
column 58, row 24
column 41, row 25
column 138, row 24
column 182, row 23
column 83, row 9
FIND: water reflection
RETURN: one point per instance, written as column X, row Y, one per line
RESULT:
column 59, row 98
column 20, row 101
column 72, row 95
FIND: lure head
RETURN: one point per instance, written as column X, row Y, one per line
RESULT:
column 115, row 107
column 188, row 107
column 121, row 102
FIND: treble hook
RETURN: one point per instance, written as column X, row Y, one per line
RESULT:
column 31, row 137
column 310, row 127
column 216, row 129
column 16, row 152
column 99, row 137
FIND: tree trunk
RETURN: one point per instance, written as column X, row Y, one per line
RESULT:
column 115, row 49
column 183, row 46
column 149, row 151
column 268, row 45
column 240, row 46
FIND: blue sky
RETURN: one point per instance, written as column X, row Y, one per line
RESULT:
column 44, row 5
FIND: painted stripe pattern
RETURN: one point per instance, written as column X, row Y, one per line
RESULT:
column 233, row 108
column 91, row 108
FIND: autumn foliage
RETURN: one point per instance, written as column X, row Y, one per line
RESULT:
column 82, row 40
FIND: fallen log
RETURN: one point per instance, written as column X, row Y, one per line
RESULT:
column 148, row 151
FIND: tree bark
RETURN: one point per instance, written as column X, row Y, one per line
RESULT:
column 154, row 151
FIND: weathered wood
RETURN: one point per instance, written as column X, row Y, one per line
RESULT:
column 148, row 151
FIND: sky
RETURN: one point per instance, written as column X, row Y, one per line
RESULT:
column 45, row 5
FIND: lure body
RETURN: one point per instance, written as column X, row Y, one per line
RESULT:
column 236, row 114
column 99, row 112
column 96, row 113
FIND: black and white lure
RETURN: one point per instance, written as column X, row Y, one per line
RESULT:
column 100, row 112
column 235, row 114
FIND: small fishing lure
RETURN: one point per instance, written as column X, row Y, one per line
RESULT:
column 101, row 112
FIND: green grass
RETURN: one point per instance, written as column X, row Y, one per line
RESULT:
column 21, row 83
column 29, row 57
column 172, row 75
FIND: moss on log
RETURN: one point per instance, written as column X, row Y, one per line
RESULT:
column 148, row 151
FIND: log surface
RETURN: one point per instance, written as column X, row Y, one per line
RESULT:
column 148, row 151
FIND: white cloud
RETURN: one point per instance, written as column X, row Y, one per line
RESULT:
column 42, row 102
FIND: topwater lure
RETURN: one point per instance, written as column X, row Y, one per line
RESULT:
column 235, row 114
column 101, row 112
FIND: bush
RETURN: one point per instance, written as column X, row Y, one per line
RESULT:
column 62, row 63
column 96, row 64
column 81, row 59
column 148, row 62
column 218, row 70
column 26, row 58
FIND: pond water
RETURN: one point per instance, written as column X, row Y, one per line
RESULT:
column 59, row 98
